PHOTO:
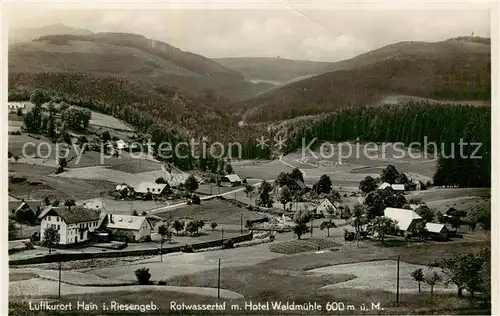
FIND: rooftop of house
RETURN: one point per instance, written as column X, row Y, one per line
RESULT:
column 116, row 221
column 403, row 216
column 232, row 178
column 152, row 187
column 75, row 214
column 434, row 227
column 33, row 204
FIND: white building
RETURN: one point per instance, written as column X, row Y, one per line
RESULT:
column 395, row 187
column 73, row 225
column 325, row 206
column 134, row 227
column 16, row 105
column 154, row 188
column 398, row 187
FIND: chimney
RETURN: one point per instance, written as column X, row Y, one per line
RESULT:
column 111, row 218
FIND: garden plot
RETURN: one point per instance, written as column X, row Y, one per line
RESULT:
column 296, row 246
column 380, row 275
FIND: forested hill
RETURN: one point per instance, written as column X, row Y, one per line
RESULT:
column 126, row 100
column 132, row 57
column 456, row 69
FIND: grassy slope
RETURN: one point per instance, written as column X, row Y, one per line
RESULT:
column 453, row 69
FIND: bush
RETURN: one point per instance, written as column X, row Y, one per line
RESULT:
column 143, row 276
column 228, row 244
column 187, row 248
column 162, row 282
column 195, row 199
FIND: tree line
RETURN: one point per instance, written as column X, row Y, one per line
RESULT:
column 411, row 123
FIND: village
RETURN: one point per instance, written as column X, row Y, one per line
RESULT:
column 245, row 212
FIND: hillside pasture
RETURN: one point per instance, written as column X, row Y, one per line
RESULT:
column 268, row 170
column 41, row 186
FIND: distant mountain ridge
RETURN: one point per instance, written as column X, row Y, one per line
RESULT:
column 19, row 35
column 455, row 69
column 134, row 57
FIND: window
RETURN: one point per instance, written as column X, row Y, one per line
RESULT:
column 58, row 227
column 48, row 218
column 57, row 219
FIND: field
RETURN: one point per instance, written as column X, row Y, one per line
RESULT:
column 213, row 210
column 108, row 121
column 346, row 165
column 40, row 186
column 268, row 170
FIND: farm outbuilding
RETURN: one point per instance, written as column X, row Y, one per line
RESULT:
column 437, row 231
column 233, row 179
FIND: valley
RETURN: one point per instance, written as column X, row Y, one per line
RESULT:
column 123, row 181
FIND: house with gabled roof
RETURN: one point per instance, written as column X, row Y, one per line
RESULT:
column 232, row 179
column 32, row 205
column 406, row 219
column 154, row 188
column 324, row 207
column 74, row 224
column 437, row 231
column 134, row 228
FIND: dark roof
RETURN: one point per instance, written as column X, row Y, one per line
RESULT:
column 32, row 204
column 76, row 214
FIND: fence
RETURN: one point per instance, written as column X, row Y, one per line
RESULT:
column 56, row 257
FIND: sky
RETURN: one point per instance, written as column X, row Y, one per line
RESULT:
column 320, row 35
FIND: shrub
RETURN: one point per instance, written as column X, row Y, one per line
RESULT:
column 228, row 244
column 162, row 282
column 143, row 276
column 195, row 199
column 187, row 248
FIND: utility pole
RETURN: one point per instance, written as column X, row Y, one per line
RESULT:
column 397, row 284
column 59, row 294
column 218, row 281
column 311, row 227
column 241, row 223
